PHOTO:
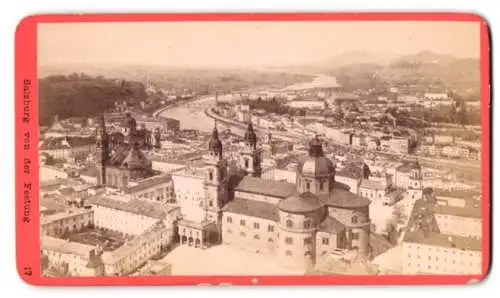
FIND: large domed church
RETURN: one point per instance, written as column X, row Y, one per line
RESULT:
column 298, row 223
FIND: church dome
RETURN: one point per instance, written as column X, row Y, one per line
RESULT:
column 316, row 164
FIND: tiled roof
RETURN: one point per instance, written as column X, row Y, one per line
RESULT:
column 66, row 142
column 350, row 171
column 408, row 166
column 110, row 257
column 252, row 208
column 65, row 246
column 62, row 215
column 331, row 225
column 423, row 229
column 305, row 202
column 146, row 208
column 149, row 182
column 456, row 194
column 343, row 199
column 271, row 188
column 372, row 184
column 469, row 210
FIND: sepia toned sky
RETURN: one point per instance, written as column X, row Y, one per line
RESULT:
column 245, row 43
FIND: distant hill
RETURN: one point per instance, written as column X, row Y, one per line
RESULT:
column 424, row 69
column 423, row 57
column 359, row 57
column 446, row 71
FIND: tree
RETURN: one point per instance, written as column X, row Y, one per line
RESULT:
column 50, row 160
column 458, row 109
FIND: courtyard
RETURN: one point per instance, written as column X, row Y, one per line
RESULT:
column 109, row 240
column 224, row 260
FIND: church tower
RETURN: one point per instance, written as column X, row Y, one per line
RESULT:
column 216, row 178
column 250, row 155
column 102, row 151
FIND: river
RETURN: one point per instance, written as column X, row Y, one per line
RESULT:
column 194, row 117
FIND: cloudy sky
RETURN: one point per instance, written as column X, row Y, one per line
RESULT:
column 245, row 43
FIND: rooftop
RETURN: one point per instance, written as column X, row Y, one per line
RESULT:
column 343, row 199
column 66, row 142
column 372, row 184
column 270, row 188
column 349, row 171
column 130, row 246
column 252, row 208
column 408, row 166
column 146, row 208
column 423, row 229
column 65, row 246
column 331, row 225
column 62, row 215
column 305, row 202
column 149, row 182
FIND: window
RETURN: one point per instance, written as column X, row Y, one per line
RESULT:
column 307, row 241
column 211, row 203
column 321, row 185
column 270, row 228
column 242, row 222
column 211, row 175
column 289, row 223
column 270, row 240
column 256, row 225
column 325, row 241
column 355, row 236
column 288, row 240
column 229, row 219
column 308, row 185
column 288, row 253
column 256, row 236
column 354, row 219
column 246, row 163
column 307, row 224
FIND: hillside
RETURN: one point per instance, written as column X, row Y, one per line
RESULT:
column 438, row 71
column 420, row 71
column 80, row 95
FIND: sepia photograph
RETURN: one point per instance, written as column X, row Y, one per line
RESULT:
column 260, row 148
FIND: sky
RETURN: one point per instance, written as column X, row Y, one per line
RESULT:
column 228, row 44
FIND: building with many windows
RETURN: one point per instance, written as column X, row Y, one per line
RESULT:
column 298, row 222
column 443, row 238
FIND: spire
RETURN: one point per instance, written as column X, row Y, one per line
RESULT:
column 102, row 152
column 316, row 147
column 215, row 145
column 250, row 136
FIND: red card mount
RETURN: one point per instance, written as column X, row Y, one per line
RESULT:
column 29, row 250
